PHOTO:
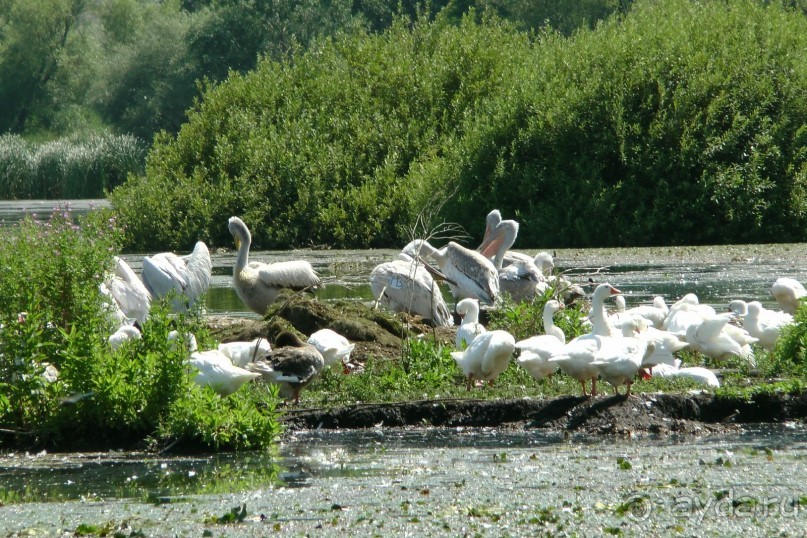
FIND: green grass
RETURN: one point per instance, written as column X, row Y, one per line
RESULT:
column 426, row 371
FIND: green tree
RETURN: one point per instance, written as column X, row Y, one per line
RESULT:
column 34, row 45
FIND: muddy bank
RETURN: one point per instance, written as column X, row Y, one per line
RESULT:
column 378, row 334
column 610, row 415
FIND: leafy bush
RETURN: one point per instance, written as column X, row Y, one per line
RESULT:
column 678, row 122
column 790, row 354
column 681, row 123
column 319, row 151
column 54, row 316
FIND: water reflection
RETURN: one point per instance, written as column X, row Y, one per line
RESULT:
column 316, row 457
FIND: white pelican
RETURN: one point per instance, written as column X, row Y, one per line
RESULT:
column 258, row 284
column 242, row 353
column 470, row 327
column 292, row 364
column 519, row 277
column 130, row 296
column 468, row 273
column 404, row 285
column 333, row 346
column 487, row 356
column 217, row 372
column 788, row 293
column 189, row 276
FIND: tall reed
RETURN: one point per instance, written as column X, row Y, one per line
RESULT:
column 67, row 167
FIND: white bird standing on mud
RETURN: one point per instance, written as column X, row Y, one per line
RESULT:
column 188, row 276
column 620, row 358
column 258, row 284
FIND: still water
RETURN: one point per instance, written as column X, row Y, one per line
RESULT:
column 716, row 274
column 312, row 457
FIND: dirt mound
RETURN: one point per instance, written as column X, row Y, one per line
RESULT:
column 376, row 333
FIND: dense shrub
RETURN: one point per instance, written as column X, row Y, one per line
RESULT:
column 680, row 122
column 67, row 168
column 319, row 150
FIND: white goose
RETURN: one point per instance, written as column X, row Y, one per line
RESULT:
column 788, row 293
column 655, row 314
column 189, row 276
column 761, row 323
column 710, row 337
column 487, row 356
column 470, row 327
column 536, row 350
column 125, row 333
column 258, row 284
column 685, row 312
column 600, row 322
column 696, row 373
column 575, row 359
column 333, row 347
column 405, row 285
column 217, row 372
column 468, row 273
column 619, row 359
column 242, row 353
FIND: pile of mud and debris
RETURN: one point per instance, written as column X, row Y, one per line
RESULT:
column 379, row 334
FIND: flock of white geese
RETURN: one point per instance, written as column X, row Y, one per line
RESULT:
column 619, row 347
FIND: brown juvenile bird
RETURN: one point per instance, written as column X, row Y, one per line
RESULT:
column 292, row 364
